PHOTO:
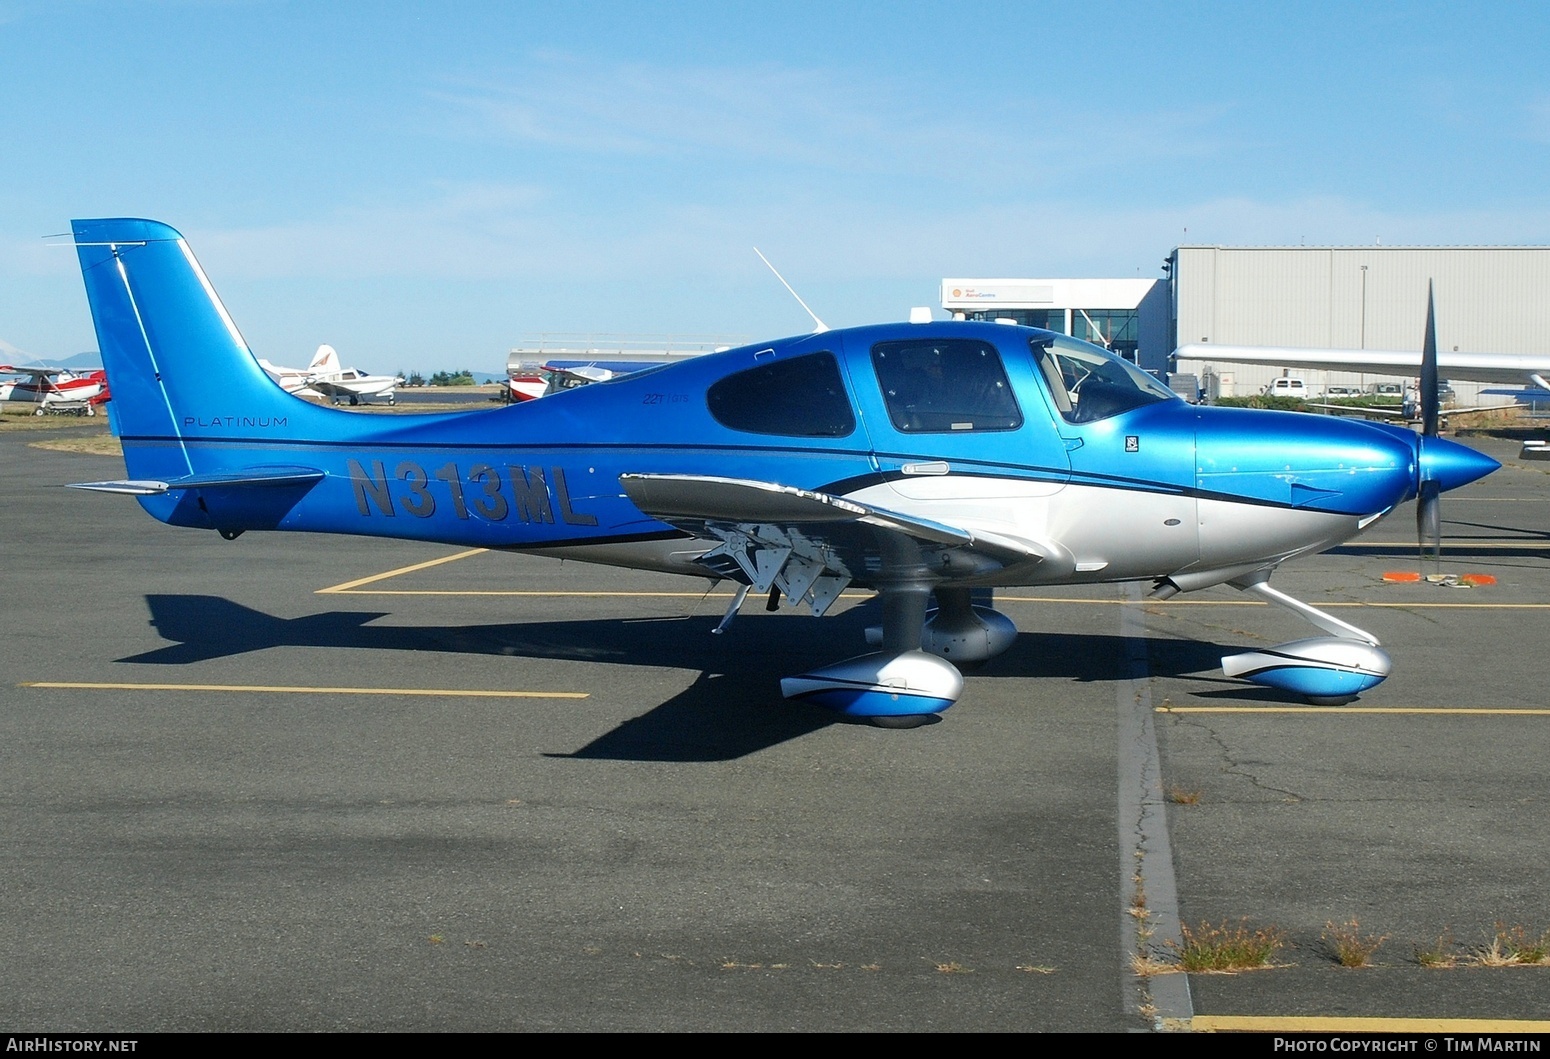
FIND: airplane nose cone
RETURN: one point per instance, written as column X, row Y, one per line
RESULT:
column 1451, row 465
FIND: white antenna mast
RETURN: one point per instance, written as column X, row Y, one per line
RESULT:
column 822, row 327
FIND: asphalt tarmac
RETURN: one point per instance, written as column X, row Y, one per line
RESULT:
column 507, row 793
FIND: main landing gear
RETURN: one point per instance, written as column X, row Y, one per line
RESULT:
column 910, row 680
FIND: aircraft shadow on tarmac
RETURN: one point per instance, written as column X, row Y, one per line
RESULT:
column 732, row 709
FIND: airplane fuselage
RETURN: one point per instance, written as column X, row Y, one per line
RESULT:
column 1163, row 488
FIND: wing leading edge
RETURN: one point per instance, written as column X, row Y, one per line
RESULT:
column 811, row 545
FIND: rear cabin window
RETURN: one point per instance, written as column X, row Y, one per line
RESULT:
column 945, row 386
column 802, row 397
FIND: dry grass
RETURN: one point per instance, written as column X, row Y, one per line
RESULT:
column 1145, row 965
column 1226, row 948
column 1514, row 946
column 1440, row 954
column 14, row 417
column 1180, row 796
column 96, row 445
column 1349, row 946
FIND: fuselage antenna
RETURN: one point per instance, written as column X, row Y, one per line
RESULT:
column 822, row 327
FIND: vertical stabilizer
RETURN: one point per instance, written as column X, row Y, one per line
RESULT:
column 175, row 361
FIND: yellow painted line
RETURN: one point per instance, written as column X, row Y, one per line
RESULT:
column 401, row 570
column 282, row 689
column 354, row 588
column 1451, row 710
column 1356, row 1024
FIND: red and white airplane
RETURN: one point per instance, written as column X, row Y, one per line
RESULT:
column 526, row 385
column 55, row 390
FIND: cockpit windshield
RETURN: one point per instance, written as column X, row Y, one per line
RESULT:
column 1089, row 383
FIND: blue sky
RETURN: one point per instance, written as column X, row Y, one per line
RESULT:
column 422, row 184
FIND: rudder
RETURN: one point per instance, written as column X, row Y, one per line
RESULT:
column 172, row 353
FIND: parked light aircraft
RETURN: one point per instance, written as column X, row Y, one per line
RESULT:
column 325, row 377
column 556, row 376
column 294, row 380
column 918, row 460
column 54, row 389
column 348, row 384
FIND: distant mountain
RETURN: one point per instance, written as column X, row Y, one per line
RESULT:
column 9, row 354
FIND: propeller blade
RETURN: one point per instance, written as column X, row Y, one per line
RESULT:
column 1428, row 501
column 1429, row 370
column 1428, row 527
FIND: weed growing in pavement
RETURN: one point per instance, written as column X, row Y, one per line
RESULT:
column 1226, row 948
column 1440, row 954
column 1349, row 946
column 1514, row 947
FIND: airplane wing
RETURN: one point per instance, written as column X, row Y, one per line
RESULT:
column 812, row 545
column 1523, row 368
column 581, row 373
column 351, row 383
column 1361, row 411
column 36, row 373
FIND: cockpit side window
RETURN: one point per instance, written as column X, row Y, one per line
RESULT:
column 945, row 385
column 800, row 397
column 1089, row 383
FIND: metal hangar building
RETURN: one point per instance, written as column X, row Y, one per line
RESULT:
column 1490, row 299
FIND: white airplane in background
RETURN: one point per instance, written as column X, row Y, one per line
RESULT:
column 1520, row 369
column 294, row 380
column 325, row 376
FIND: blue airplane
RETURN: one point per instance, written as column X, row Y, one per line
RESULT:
column 921, row 461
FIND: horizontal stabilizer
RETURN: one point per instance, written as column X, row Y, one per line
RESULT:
column 267, row 477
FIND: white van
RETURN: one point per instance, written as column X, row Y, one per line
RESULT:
column 1287, row 387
